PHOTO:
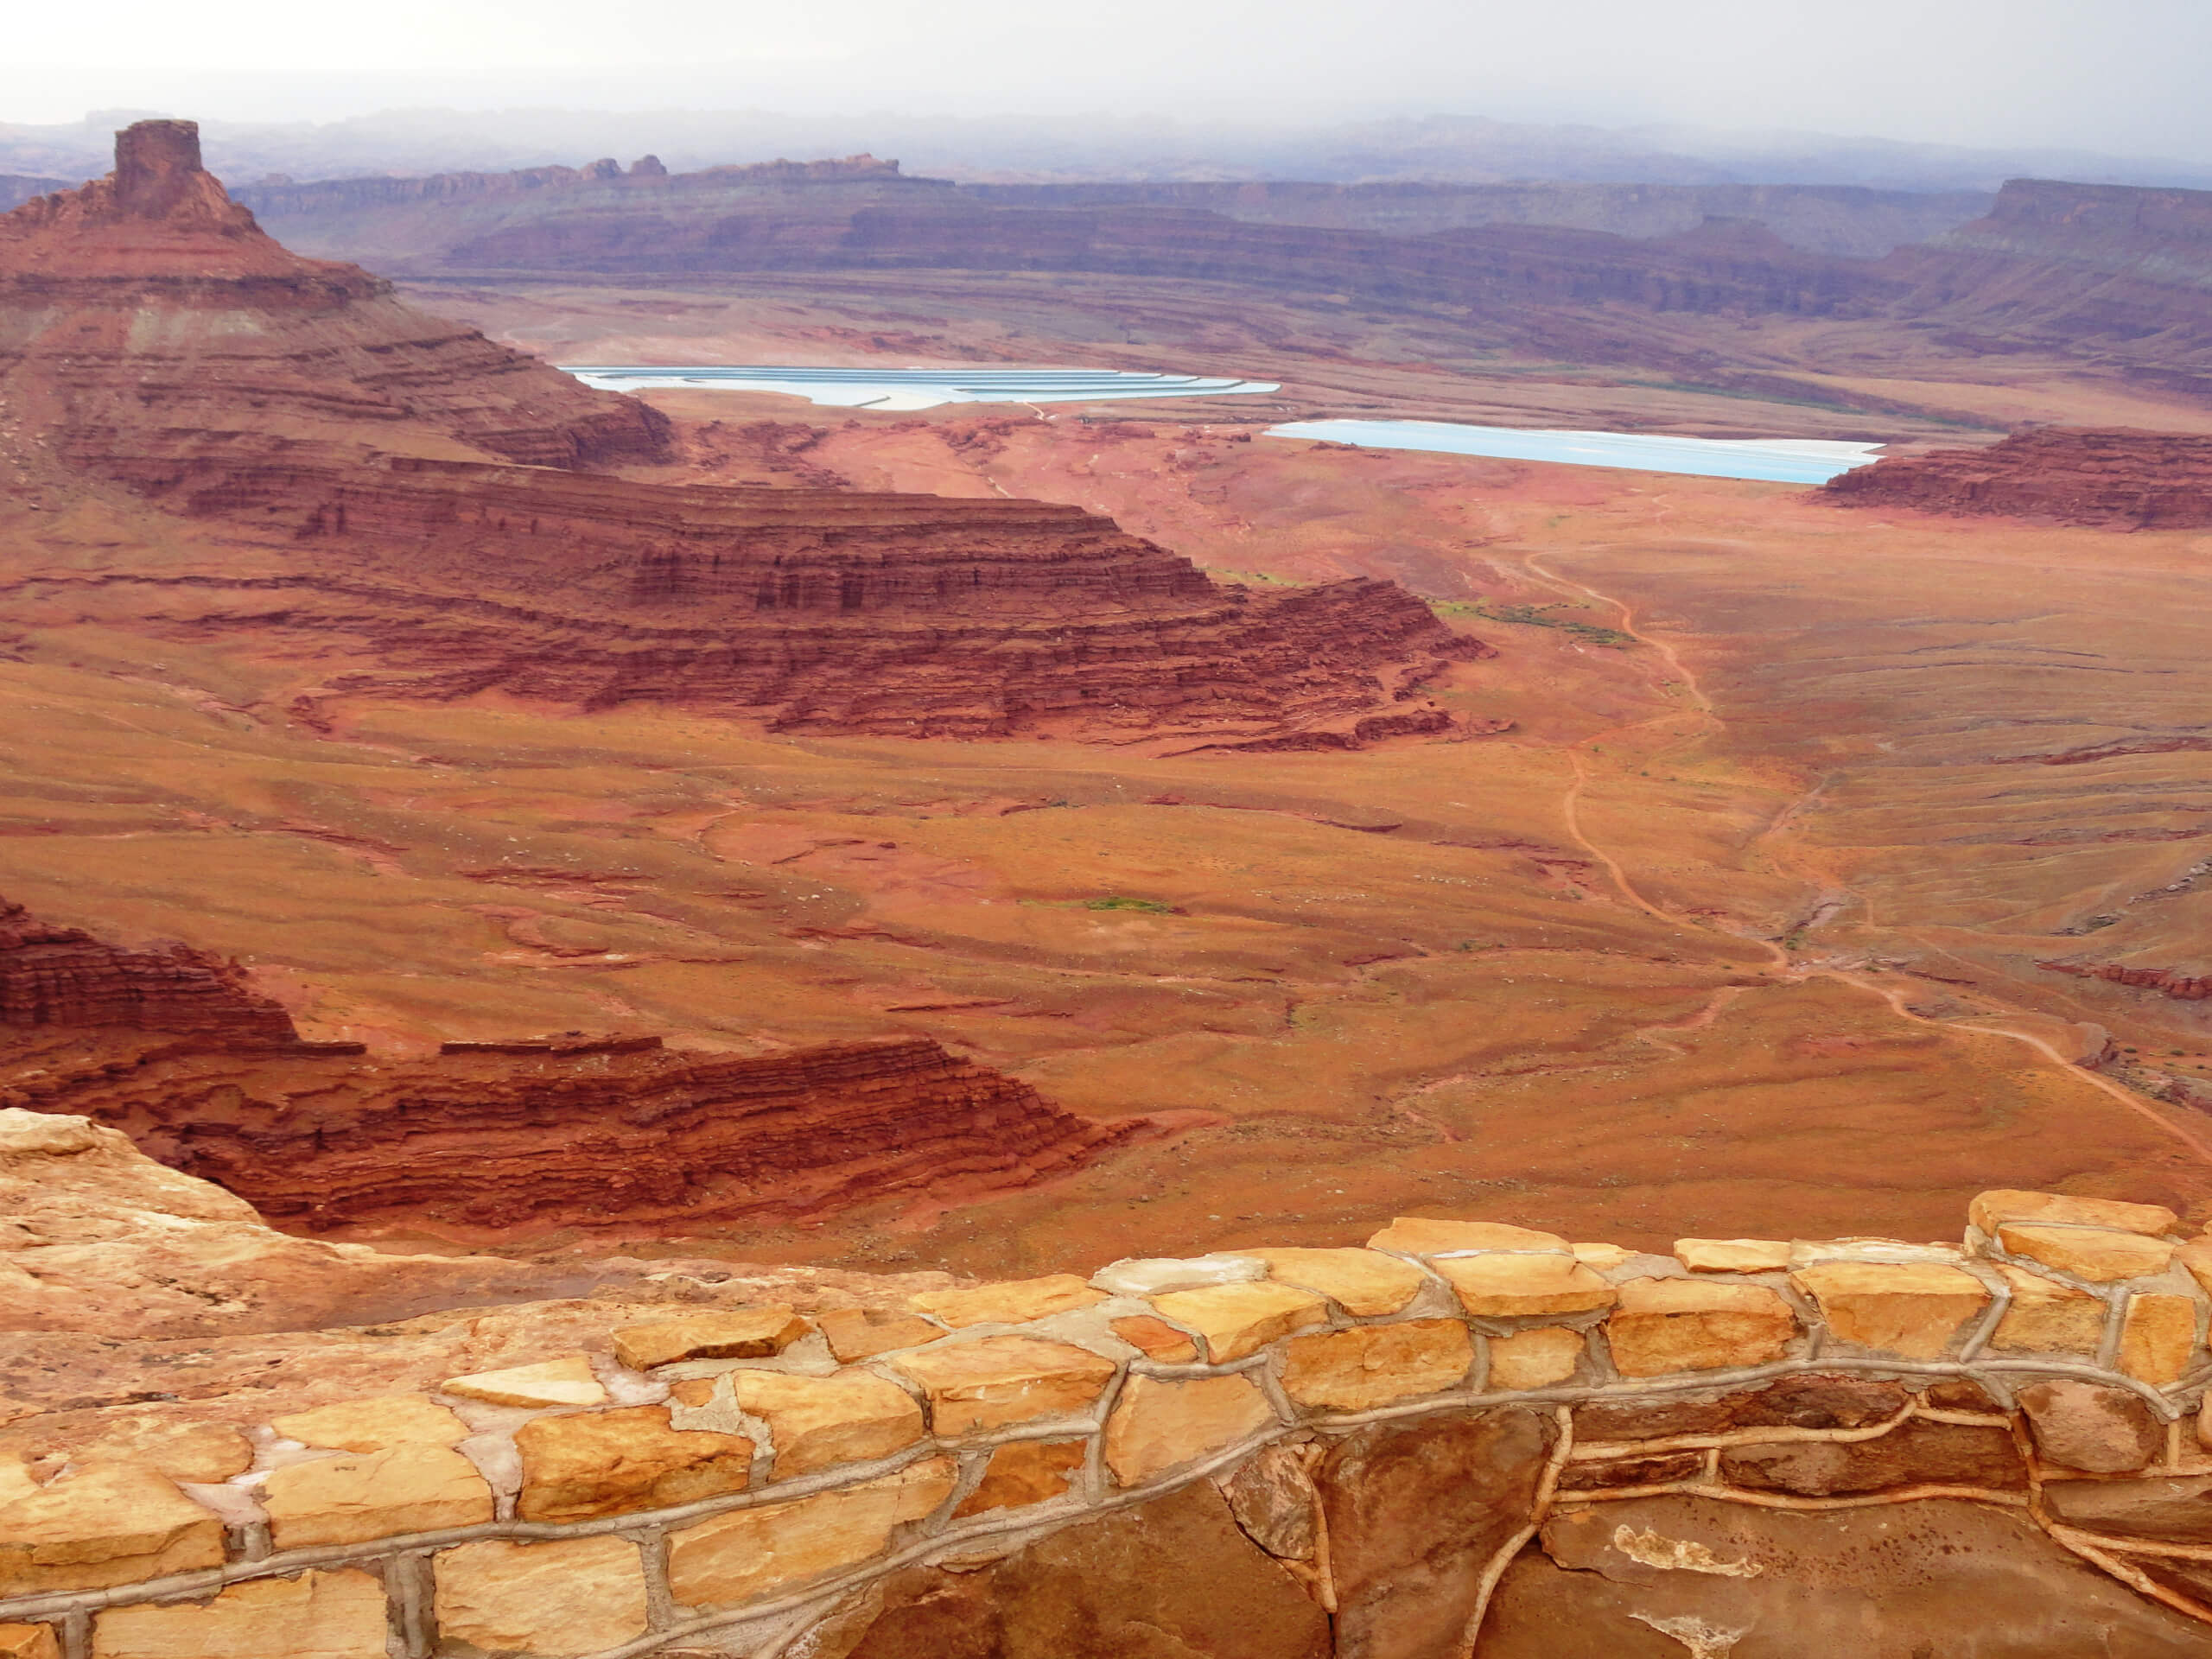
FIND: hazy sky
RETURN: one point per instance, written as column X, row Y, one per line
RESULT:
column 2126, row 76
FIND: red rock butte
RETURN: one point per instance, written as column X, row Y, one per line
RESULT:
column 357, row 461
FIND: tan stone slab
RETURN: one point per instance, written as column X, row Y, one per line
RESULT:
column 1534, row 1359
column 597, row 1463
column 2045, row 1317
column 1364, row 1283
column 1025, row 1473
column 1602, row 1256
column 372, row 1425
column 1520, row 1287
column 567, row 1380
column 1991, row 1210
column 817, row 1422
column 2197, row 1257
column 182, row 1451
column 1156, row 1339
column 1003, row 1380
column 1418, row 1236
column 1159, row 1424
column 337, row 1615
column 2098, row 1254
column 1371, row 1365
column 1732, row 1255
column 751, row 1553
column 1240, row 1319
column 349, row 1500
column 728, row 1333
column 2158, row 1334
column 29, row 1641
column 113, row 1523
column 1013, row 1302
column 2091, row 1426
column 1695, row 1325
column 1915, row 1309
column 863, row 1332
column 569, row 1596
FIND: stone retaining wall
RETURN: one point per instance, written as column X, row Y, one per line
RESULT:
column 724, row 1481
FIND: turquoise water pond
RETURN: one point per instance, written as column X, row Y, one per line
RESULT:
column 893, row 389
column 1774, row 461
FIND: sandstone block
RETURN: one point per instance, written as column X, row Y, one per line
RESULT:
column 1693, row 1324
column 2045, row 1317
column 372, row 1425
column 1024, row 1472
column 114, row 1524
column 182, row 1451
column 749, row 1553
column 612, row 1462
column 1156, row 1339
column 1371, row 1365
column 2099, row 1253
column 337, row 1615
column 549, row 1600
column 1272, row 1494
column 2174, row 1509
column 1661, row 1469
column 1989, row 1210
column 567, row 1380
column 1153, row 1275
column 1507, row 1287
column 2091, row 1427
column 2095, row 1253
column 1915, row 1309
column 1159, row 1424
column 1914, row 1453
column 1534, row 1359
column 1013, row 1301
column 1240, row 1319
column 734, row 1333
column 817, row 1422
column 349, row 1500
column 1731, row 1255
column 856, row 1333
column 1418, row 1236
column 29, row 1641
column 1001, row 1380
column 1364, row 1283
column 2158, row 1334
column 1602, row 1256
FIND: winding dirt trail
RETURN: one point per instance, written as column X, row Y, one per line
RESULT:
column 1783, row 969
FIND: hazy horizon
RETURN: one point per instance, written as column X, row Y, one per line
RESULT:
column 2120, row 79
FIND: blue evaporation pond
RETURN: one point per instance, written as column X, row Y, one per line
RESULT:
column 1773, row 461
column 898, row 389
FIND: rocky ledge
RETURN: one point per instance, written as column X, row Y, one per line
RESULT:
column 2113, row 479
column 1463, row 1436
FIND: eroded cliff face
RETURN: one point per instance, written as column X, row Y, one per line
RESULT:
column 2108, row 479
column 151, row 335
column 63, row 976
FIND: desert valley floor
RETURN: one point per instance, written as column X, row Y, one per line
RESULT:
column 1749, row 898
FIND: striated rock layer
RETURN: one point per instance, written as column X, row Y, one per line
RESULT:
column 64, row 976
column 152, row 335
column 477, row 1144
column 492, row 1138
column 2112, row 479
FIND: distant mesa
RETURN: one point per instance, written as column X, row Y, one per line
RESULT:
column 2109, row 478
column 359, row 459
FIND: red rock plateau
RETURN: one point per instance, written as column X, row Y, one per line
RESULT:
column 2117, row 480
column 150, row 333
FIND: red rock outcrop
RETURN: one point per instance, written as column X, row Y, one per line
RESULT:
column 2182, row 986
column 2110, row 479
column 482, row 1143
column 152, row 335
column 64, row 976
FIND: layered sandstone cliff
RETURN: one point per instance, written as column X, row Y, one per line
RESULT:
column 152, row 335
column 63, row 976
column 2113, row 479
